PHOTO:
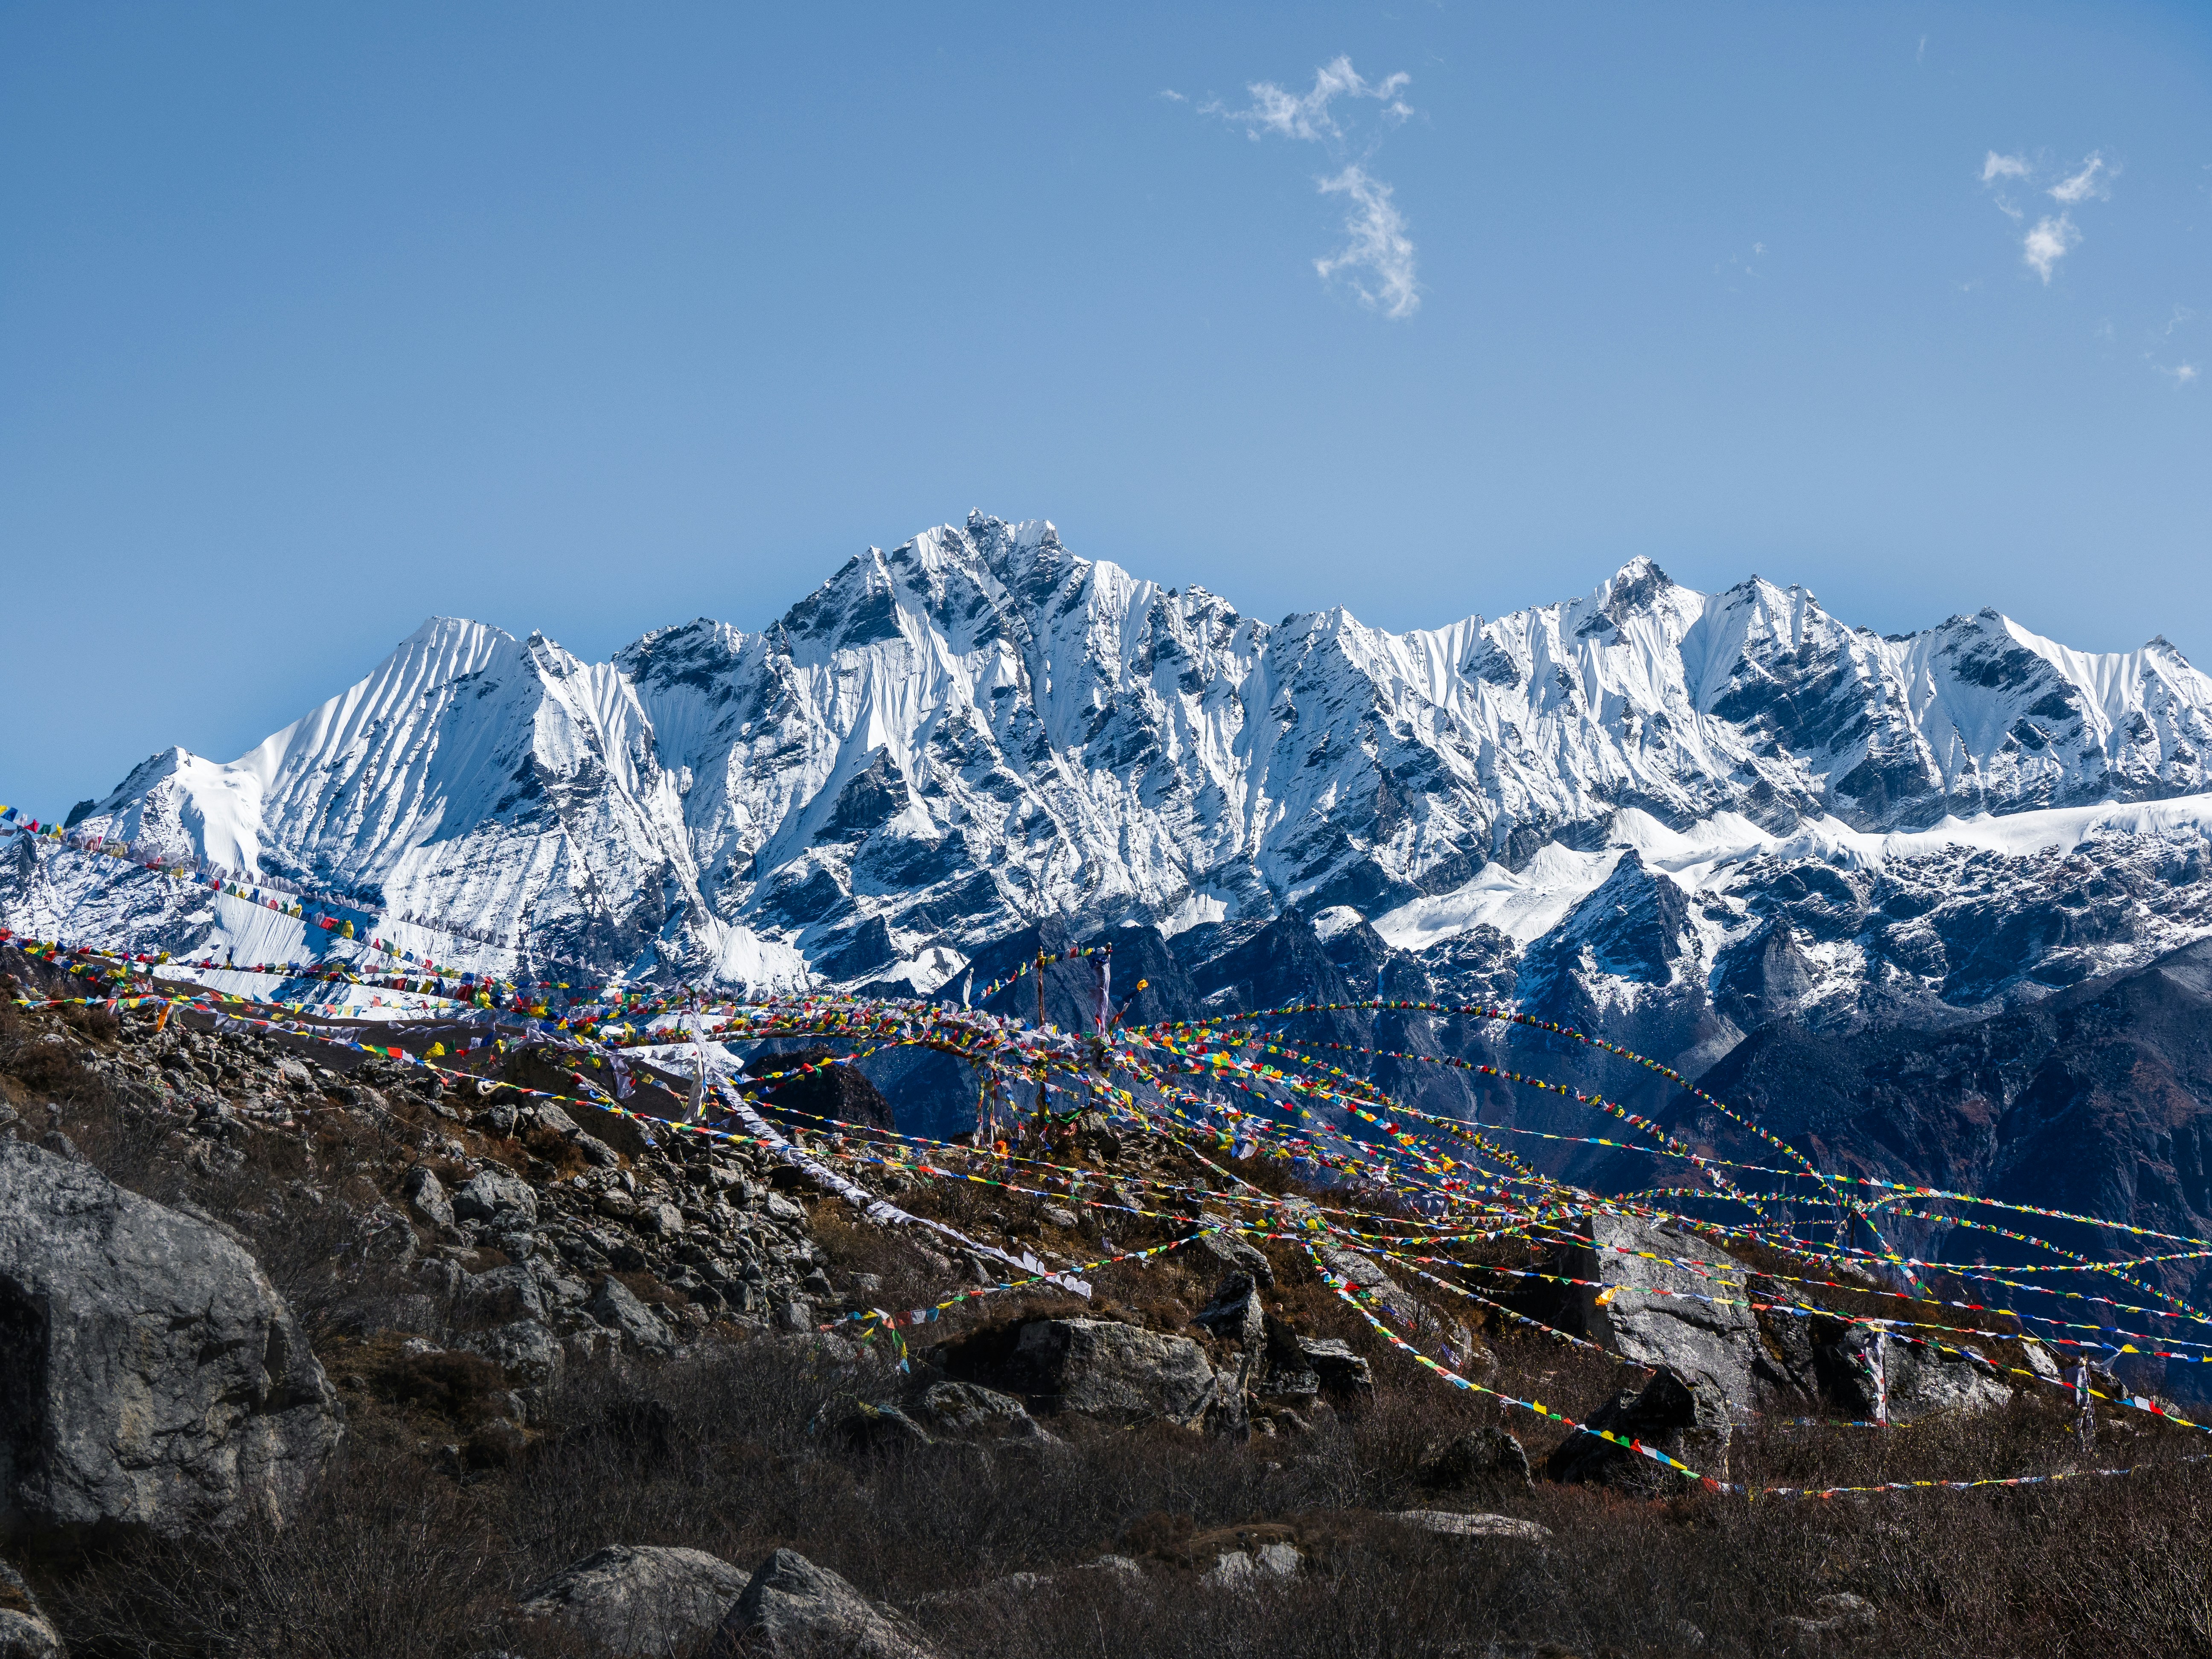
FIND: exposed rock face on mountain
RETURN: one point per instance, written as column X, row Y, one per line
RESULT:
column 151, row 1376
column 2097, row 1100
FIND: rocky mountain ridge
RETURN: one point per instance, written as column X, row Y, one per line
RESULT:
column 948, row 740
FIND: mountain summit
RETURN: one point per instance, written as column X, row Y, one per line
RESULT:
column 950, row 740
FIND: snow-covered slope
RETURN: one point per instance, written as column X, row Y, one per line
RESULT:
column 948, row 740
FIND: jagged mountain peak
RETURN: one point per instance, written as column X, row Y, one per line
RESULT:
column 946, row 740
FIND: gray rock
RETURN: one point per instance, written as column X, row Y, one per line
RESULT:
column 498, row 1197
column 25, row 1632
column 1657, row 1314
column 1101, row 1368
column 1381, row 1292
column 1057, row 1217
column 1332, row 1360
column 1233, row 1252
column 1452, row 1524
column 501, row 1295
column 661, row 1219
column 639, row 1601
column 881, row 1428
column 150, row 1375
column 525, row 1350
column 597, row 1152
column 1246, row 1568
column 1481, row 1458
column 967, row 1408
column 1234, row 1314
column 425, row 1196
column 614, row 1306
column 550, row 1116
column 792, row 1607
column 1925, row 1380
column 1687, row 1420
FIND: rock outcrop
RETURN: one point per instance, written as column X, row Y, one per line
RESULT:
column 793, row 1607
column 25, row 1630
column 150, row 1375
column 1687, row 1421
column 640, row 1601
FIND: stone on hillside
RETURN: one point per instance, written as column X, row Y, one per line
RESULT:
column 1691, row 1320
column 1331, row 1359
column 1840, row 1620
column 523, row 1350
column 500, row 1295
column 1233, row 1252
column 1450, row 1523
column 615, row 1306
column 881, row 1428
column 150, row 1375
column 1234, row 1314
column 25, row 1632
column 642, row 1602
column 1248, row 1568
column 793, row 1607
column 969, row 1408
column 1926, row 1380
column 425, row 1196
column 1382, row 1293
column 1688, row 1421
column 1478, row 1459
column 1103, row 1369
column 497, row 1197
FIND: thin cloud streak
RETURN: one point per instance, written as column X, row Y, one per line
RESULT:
column 1377, row 261
column 2080, row 186
column 1378, row 246
column 1308, row 118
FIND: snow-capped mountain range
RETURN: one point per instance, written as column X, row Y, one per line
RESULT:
column 950, row 741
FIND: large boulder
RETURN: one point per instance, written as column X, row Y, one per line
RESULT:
column 967, row 1408
column 1662, row 1296
column 1374, row 1286
column 1096, row 1367
column 150, row 1375
column 640, row 1600
column 1686, row 1419
column 1479, row 1460
column 1103, row 1369
column 792, row 1607
column 617, row 1307
column 498, row 1198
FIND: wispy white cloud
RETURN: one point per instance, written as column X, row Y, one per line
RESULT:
column 1308, row 116
column 2093, row 180
column 1173, row 96
column 2049, row 241
column 2180, row 374
column 2052, row 236
column 1377, row 260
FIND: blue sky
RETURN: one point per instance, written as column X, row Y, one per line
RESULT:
column 316, row 320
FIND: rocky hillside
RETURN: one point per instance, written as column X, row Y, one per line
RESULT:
column 315, row 1351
